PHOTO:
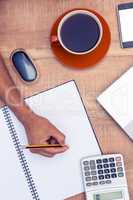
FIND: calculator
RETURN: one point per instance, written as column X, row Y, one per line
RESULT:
column 104, row 177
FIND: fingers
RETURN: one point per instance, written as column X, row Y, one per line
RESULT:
column 50, row 152
column 54, row 137
column 41, row 152
column 60, row 137
column 46, row 154
column 57, row 150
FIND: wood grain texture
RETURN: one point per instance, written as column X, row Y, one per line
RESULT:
column 27, row 24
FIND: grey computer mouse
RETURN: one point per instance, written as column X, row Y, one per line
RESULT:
column 24, row 65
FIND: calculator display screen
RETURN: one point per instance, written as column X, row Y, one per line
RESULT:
column 109, row 196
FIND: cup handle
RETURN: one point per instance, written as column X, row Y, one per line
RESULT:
column 54, row 38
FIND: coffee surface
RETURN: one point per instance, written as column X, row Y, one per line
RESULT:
column 80, row 33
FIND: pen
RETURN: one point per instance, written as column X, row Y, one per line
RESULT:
column 41, row 146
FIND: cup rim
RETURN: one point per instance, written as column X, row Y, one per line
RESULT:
column 71, row 13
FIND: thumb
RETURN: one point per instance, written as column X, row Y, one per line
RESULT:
column 59, row 137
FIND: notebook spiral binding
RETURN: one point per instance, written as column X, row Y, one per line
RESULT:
column 20, row 153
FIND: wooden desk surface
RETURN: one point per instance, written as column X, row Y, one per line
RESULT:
column 26, row 24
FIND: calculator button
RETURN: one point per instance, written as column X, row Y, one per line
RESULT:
column 106, row 171
column 120, row 174
column 107, row 176
column 93, row 173
column 112, row 164
column 87, row 173
column 120, row 169
column 92, row 162
column 105, row 160
column 111, row 159
column 86, row 162
column 100, row 171
column 108, row 181
column 99, row 161
column 118, row 158
column 88, row 178
column 106, row 166
column 99, row 166
column 95, row 183
column 94, row 178
column 89, row 184
column 114, row 175
column 113, row 170
column 101, row 177
column 86, row 168
column 93, row 167
column 102, row 182
column 119, row 164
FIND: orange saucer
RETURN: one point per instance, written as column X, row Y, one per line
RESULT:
column 86, row 60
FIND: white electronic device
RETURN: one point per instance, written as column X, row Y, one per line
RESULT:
column 125, row 18
column 104, row 177
column 117, row 100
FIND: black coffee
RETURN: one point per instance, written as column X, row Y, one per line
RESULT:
column 80, row 33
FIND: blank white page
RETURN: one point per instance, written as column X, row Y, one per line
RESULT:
column 60, row 177
column 12, row 181
column 126, row 20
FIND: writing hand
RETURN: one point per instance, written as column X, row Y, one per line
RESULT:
column 40, row 131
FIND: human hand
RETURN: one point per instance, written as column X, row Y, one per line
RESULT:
column 40, row 131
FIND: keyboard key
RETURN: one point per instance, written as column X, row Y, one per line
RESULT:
column 107, row 176
column 106, row 171
column 113, row 170
column 88, row 178
column 94, row 178
column 114, row 175
column 105, row 160
column 88, row 184
column 120, row 169
column 87, row 173
column 86, row 162
column 112, row 164
column 119, row 164
column 93, row 173
column 102, row 182
column 99, row 166
column 120, row 174
column 111, row 159
column 101, row 177
column 100, row 171
column 86, row 168
column 118, row 158
column 106, row 166
column 99, row 161
column 108, row 181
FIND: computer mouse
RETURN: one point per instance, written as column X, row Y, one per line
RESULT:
column 24, row 65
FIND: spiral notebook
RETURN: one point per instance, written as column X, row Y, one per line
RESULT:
column 27, row 176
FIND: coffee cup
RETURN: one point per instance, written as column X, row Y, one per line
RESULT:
column 79, row 32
